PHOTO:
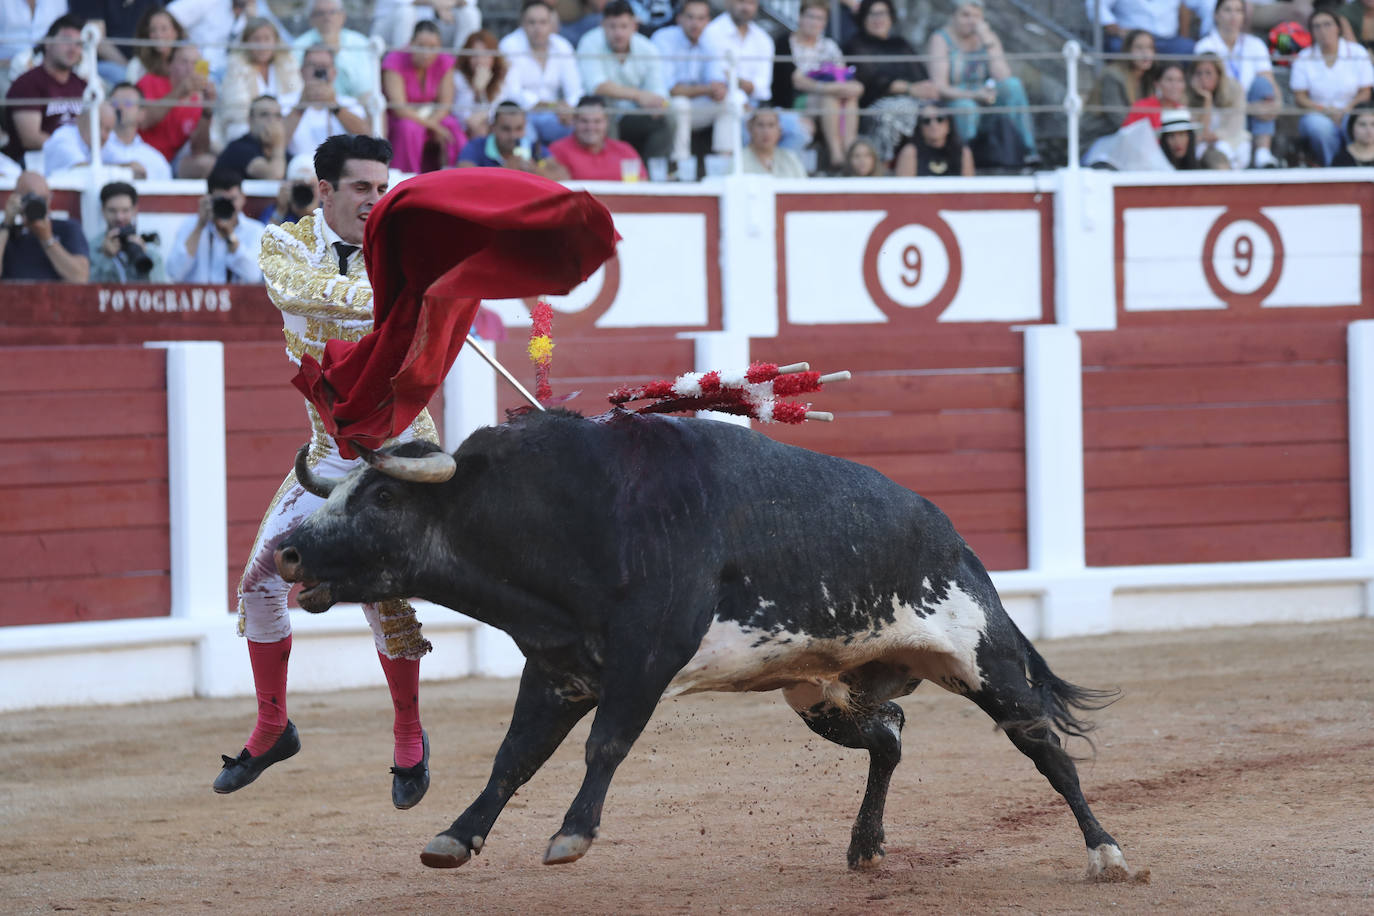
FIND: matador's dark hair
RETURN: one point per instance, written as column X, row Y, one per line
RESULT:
column 338, row 149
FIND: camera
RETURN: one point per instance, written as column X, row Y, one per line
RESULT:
column 302, row 195
column 133, row 252
column 321, row 73
column 35, row 208
column 222, row 208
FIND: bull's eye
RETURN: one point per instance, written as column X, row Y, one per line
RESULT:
column 383, row 497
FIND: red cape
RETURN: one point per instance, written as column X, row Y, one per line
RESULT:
column 436, row 246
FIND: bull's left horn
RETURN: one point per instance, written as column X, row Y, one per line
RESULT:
column 436, row 467
column 307, row 478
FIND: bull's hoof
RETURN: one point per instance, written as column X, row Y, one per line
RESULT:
column 866, row 861
column 1106, row 865
column 445, row 852
column 564, row 849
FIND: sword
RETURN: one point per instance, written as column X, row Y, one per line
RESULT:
column 503, row 372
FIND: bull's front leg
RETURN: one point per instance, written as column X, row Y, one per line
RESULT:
column 545, row 711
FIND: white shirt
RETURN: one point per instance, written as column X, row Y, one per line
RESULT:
column 1336, row 85
column 529, row 83
column 1249, row 58
column 21, row 29
column 213, row 263
column 208, row 23
column 64, row 149
column 691, row 63
column 117, row 152
column 753, row 54
column 1158, row 17
column 317, row 124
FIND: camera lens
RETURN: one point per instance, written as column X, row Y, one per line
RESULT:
column 321, row 73
column 222, row 208
column 35, row 208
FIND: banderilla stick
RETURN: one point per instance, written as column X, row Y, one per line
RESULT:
column 503, row 372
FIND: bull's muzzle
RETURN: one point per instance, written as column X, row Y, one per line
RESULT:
column 288, row 561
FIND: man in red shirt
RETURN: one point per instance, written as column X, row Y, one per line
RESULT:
column 176, row 112
column 589, row 155
column 29, row 126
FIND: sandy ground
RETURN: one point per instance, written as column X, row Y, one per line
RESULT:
column 1239, row 768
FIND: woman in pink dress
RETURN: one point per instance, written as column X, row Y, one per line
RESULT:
column 419, row 93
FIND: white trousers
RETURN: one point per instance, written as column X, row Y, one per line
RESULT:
column 724, row 118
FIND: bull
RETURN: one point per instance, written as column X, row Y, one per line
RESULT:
column 635, row 557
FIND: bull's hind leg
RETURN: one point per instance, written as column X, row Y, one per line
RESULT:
column 875, row 728
column 544, row 714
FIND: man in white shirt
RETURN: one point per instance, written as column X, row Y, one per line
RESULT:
column 23, row 23
column 734, row 32
column 124, row 146
column 69, row 147
column 625, row 69
column 356, row 70
column 219, row 244
column 317, row 112
column 695, row 96
column 394, row 20
column 1169, row 21
column 543, row 76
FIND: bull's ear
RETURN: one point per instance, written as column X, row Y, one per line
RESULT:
column 306, row 477
column 435, row 467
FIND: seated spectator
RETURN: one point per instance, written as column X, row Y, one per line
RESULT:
column 120, row 254
column 1328, row 80
column 1360, row 131
column 22, row 26
column 1178, row 139
column 589, row 154
column 735, row 32
column 506, row 146
column 260, row 153
column 935, row 148
column 1247, row 63
column 30, row 125
column 574, row 30
column 816, row 80
column 124, row 146
column 895, row 87
column 1221, row 109
column 262, row 65
column 763, row 155
column 861, row 161
column 625, row 69
column 69, row 147
column 179, row 127
column 358, row 77
column 33, row 245
column 395, row 20
column 1120, row 85
column 317, row 112
column 1169, row 21
column 970, row 70
column 479, row 81
column 156, row 25
column 298, row 195
column 543, row 77
column 419, row 93
column 218, row 244
column 116, row 19
column 695, row 95
column 1171, row 92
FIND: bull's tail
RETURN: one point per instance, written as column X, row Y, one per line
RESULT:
column 1061, row 701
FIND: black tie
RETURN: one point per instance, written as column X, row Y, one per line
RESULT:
column 345, row 250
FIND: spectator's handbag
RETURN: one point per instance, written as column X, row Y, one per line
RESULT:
column 831, row 72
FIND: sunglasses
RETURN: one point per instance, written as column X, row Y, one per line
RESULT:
column 940, row 120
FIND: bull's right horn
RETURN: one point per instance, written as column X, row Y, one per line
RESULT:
column 307, row 478
column 435, row 467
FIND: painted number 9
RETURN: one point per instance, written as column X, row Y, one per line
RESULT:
column 911, row 262
column 1244, row 255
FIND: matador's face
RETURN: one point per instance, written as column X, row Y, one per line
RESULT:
column 346, row 208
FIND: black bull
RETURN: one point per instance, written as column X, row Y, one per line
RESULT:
column 634, row 557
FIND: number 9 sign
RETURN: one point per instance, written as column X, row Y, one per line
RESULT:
column 1242, row 257
column 909, row 265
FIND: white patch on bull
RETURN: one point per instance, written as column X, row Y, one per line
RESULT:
column 940, row 646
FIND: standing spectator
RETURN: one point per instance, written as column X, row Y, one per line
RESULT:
column 419, row 95
column 29, row 126
column 69, row 147
column 298, row 195
column 262, row 65
column 33, row 245
column 160, row 26
column 1247, row 63
column 260, row 153
column 1171, row 92
column 1178, row 139
column 592, row 12
column 395, row 20
column 22, row 26
column 544, row 77
column 894, row 88
column 1169, row 21
column 1121, row 84
column 696, row 98
column 124, row 146
column 317, row 112
column 816, row 79
column 179, row 127
column 625, row 69
column 479, row 81
column 1221, row 105
column 218, row 244
column 735, row 32
column 589, row 154
column 935, row 149
column 116, row 19
column 1328, row 80
column 507, row 146
column 120, row 254
column 357, row 75
column 970, row 70
column 1360, row 129
column 862, row 160
column 763, row 155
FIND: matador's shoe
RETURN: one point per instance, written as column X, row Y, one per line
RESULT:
column 409, row 784
column 241, row 770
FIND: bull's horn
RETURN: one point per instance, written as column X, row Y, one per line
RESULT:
column 307, row 478
column 435, row 467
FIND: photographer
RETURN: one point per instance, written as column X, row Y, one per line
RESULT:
column 120, row 254
column 219, row 244
column 298, row 194
column 33, row 245
column 317, row 112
